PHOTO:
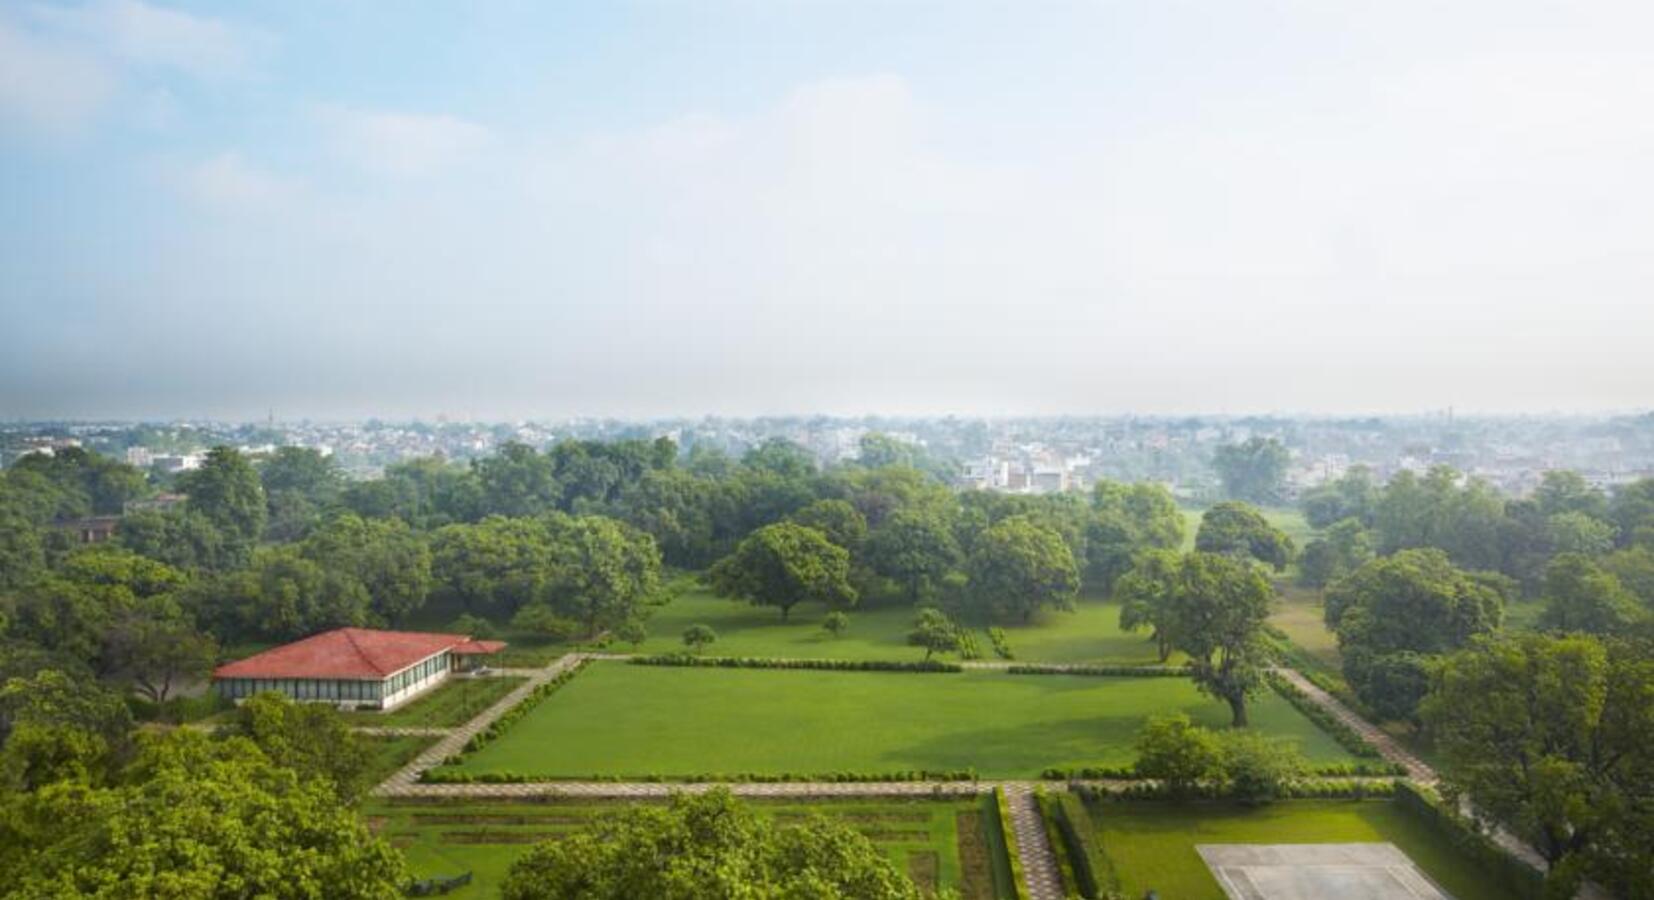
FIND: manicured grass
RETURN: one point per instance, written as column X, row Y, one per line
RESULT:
column 454, row 702
column 938, row 842
column 392, row 753
column 1289, row 519
column 1152, row 845
column 1300, row 613
column 1090, row 635
column 619, row 719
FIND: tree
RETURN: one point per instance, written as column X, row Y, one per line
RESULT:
column 516, row 481
column 56, row 727
column 309, row 738
column 1213, row 608
column 280, row 596
column 1254, row 470
column 782, row 565
column 1554, row 738
column 1577, row 532
column 779, row 456
column 914, row 547
column 226, row 491
column 1340, row 550
column 1580, row 596
column 698, row 637
column 1415, row 602
column 1352, row 496
column 1239, row 530
column 1125, row 521
column 1178, row 753
column 934, row 631
column 181, row 538
column 299, row 483
column 1564, row 491
column 156, row 647
column 706, row 847
column 835, row 623
column 605, row 571
column 1467, row 522
column 539, row 618
column 1018, row 567
column 1632, row 509
column 1634, row 567
column 197, row 817
column 495, row 566
column 836, row 519
column 392, row 562
column 72, row 610
column 1145, row 596
column 632, row 631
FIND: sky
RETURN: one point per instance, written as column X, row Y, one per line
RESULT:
column 741, row 207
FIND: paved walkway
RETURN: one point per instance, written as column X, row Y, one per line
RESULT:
column 454, row 740
column 1387, row 746
column 1039, row 862
column 400, row 730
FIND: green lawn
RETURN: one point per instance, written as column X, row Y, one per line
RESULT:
column 1092, row 634
column 454, row 702
column 939, row 843
column 619, row 719
column 1152, row 845
column 1300, row 613
column 392, row 753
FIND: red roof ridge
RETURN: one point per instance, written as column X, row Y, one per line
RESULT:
column 350, row 637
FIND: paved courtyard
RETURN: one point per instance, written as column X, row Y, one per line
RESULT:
column 1317, row 871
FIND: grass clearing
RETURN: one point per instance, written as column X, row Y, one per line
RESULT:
column 1090, row 635
column 392, row 752
column 617, row 719
column 454, row 702
column 1301, row 614
column 1152, row 845
column 938, row 841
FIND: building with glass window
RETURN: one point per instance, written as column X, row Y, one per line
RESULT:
column 354, row 667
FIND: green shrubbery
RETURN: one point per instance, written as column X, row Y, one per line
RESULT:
column 755, row 662
column 1516, row 877
column 1104, row 671
column 1347, row 737
column 1002, row 644
column 452, row 776
column 1317, row 789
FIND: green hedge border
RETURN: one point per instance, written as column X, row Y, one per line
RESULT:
column 952, row 776
column 1515, row 877
column 1099, row 671
column 1019, row 881
column 1094, row 874
column 1347, row 737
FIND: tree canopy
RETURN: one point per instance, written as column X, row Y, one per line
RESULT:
column 784, row 564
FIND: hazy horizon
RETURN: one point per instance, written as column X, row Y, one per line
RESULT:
column 512, row 211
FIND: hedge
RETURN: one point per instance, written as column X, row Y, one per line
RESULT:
column 522, row 707
column 1019, row 883
column 1093, row 871
column 451, row 776
column 1305, row 789
column 1347, row 737
column 753, row 662
column 1515, row 877
column 1109, row 671
column 431, row 887
column 1066, row 870
column 1359, row 769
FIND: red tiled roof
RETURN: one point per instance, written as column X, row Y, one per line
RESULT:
column 343, row 653
column 474, row 647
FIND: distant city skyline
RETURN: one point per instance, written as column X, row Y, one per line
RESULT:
column 528, row 211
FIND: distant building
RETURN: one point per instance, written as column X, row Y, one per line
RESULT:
column 354, row 667
column 157, row 503
column 92, row 529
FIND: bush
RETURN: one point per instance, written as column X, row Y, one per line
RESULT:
column 697, row 637
column 1105, row 671
column 1002, row 644
column 450, row 776
column 1178, row 753
column 1094, row 875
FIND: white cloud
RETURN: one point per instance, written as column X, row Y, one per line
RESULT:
column 48, row 85
column 229, row 181
column 147, row 35
column 403, row 144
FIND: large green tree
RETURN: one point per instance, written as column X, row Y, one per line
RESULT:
column 309, row 738
column 1125, row 521
column 915, row 548
column 391, row 560
column 1341, row 549
column 1213, row 608
column 1253, row 470
column 1581, row 596
column 782, row 565
column 494, row 567
column 1237, row 529
column 707, row 847
column 1354, row 495
column 1395, row 611
column 1019, row 567
column 226, row 490
column 1554, row 737
column 605, row 571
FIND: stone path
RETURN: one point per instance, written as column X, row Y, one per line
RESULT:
column 454, row 739
column 400, row 730
column 1039, row 862
column 1387, row 746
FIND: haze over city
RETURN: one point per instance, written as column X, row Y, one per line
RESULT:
column 640, row 209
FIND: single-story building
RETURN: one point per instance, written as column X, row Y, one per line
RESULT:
column 354, row 667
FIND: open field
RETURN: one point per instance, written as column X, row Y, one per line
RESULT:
column 1287, row 518
column 1299, row 613
column 617, row 719
column 1090, row 635
column 939, row 843
column 454, row 702
column 1152, row 845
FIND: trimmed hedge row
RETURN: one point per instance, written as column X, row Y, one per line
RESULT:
column 1347, row 737
column 449, row 776
column 1110, row 671
column 1515, row 877
column 1317, row 789
column 507, row 718
column 1066, row 870
column 1089, row 773
column 1019, row 883
column 754, row 662
column 1094, row 874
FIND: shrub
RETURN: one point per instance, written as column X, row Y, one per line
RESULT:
column 1178, row 753
column 1102, row 671
column 1002, row 644
column 836, row 623
column 1257, row 769
column 1347, row 737
column 758, row 662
